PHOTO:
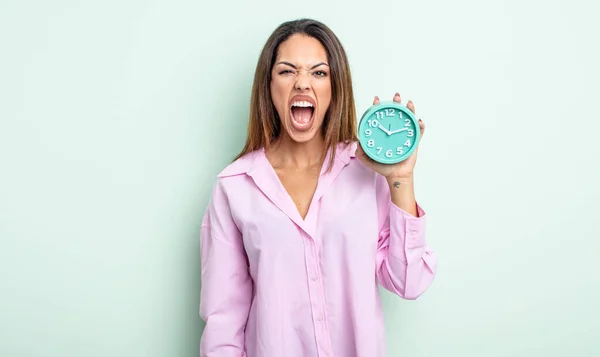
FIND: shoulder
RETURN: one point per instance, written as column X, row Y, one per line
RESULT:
column 236, row 176
column 232, row 180
column 353, row 170
column 239, row 167
column 346, row 152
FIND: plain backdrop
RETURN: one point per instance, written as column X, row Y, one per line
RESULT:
column 116, row 116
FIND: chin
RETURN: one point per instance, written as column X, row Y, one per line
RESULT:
column 303, row 138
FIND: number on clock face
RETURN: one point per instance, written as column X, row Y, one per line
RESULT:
column 390, row 133
column 388, row 112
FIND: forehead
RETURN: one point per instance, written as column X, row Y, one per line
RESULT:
column 302, row 49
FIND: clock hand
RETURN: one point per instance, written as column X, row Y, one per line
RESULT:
column 397, row 131
column 384, row 129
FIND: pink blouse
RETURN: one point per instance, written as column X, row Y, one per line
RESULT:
column 277, row 285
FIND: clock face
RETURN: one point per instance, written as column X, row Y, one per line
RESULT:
column 388, row 132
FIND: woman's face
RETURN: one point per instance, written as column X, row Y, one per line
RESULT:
column 301, row 87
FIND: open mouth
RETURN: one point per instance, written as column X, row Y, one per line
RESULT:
column 302, row 114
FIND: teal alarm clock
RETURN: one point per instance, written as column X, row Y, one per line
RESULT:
column 388, row 132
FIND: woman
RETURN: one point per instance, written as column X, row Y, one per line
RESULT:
column 302, row 226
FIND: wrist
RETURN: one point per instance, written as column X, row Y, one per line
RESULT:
column 403, row 179
column 402, row 193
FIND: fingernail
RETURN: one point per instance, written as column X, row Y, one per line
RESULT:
column 397, row 94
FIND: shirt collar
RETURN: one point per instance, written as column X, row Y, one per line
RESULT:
column 257, row 166
column 247, row 164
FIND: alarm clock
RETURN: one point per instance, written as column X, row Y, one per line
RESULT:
column 388, row 132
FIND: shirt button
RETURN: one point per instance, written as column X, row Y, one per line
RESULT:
column 320, row 317
column 313, row 277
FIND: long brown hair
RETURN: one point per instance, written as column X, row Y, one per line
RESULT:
column 339, row 124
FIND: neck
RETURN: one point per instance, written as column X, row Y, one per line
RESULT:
column 286, row 153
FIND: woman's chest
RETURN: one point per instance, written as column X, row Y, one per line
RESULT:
column 343, row 218
column 300, row 186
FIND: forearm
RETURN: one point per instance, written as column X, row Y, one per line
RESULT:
column 403, row 194
column 406, row 265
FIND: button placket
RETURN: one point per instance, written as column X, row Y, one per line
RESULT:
column 316, row 298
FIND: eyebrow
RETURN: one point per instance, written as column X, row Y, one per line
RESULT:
column 313, row 67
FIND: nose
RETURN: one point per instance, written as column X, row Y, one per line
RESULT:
column 303, row 83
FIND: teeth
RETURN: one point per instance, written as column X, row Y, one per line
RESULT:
column 302, row 104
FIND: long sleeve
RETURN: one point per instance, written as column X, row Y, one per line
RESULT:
column 406, row 264
column 226, row 291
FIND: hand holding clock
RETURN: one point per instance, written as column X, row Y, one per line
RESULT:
column 392, row 171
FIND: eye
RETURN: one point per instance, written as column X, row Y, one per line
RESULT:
column 321, row 73
column 285, row 71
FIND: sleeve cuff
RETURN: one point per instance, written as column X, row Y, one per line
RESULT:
column 420, row 211
column 407, row 231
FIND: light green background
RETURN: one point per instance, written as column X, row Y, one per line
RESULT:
column 115, row 117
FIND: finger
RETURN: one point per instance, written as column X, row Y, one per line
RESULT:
column 376, row 100
column 411, row 106
column 397, row 98
column 421, row 127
